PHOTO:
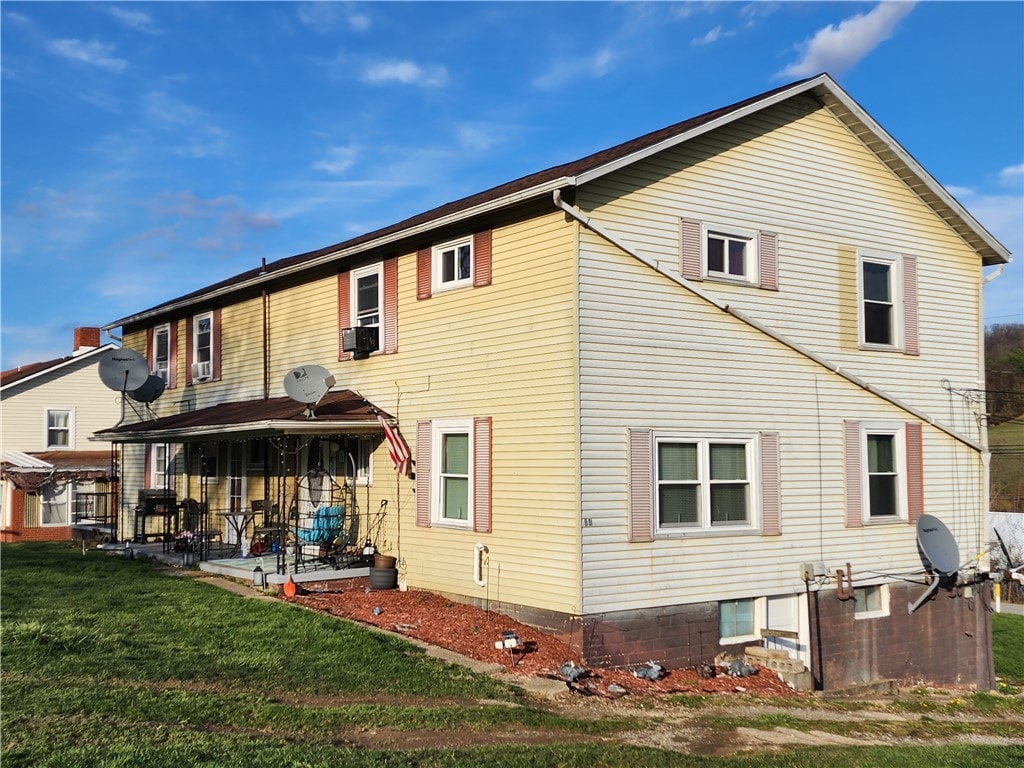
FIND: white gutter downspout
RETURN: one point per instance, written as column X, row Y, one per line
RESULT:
column 614, row 240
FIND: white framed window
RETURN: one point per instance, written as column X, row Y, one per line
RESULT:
column 161, row 466
column 871, row 602
column 705, row 484
column 53, row 503
column 363, row 456
column 452, row 473
column 739, row 620
column 729, row 253
column 202, row 347
column 883, row 459
column 879, row 300
column 367, row 286
column 59, row 428
column 161, row 352
column 452, row 264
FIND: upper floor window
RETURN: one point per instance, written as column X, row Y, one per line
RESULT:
column 161, row 352
column 730, row 254
column 704, row 484
column 58, row 428
column 204, row 345
column 453, row 264
column 887, row 302
column 879, row 300
column 367, row 296
column 712, row 251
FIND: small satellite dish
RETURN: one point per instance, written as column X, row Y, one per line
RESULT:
column 940, row 552
column 938, row 545
column 123, row 370
column 307, row 384
column 150, row 391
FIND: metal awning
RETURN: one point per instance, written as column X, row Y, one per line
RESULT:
column 341, row 412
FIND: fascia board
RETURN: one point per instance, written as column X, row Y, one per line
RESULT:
column 453, row 218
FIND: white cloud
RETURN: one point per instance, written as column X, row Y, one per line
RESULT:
column 405, row 72
column 712, row 36
column 133, row 19
column 95, row 53
column 1012, row 174
column 325, row 17
column 836, row 49
column 337, row 161
column 565, row 71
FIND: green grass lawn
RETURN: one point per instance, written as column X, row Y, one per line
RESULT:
column 108, row 662
column 1008, row 647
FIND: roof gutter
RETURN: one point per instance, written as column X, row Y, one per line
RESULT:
column 589, row 223
column 265, row 277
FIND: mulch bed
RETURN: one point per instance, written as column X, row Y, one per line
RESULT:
column 473, row 632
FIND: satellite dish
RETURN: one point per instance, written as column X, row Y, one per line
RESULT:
column 938, row 545
column 307, row 384
column 940, row 553
column 150, row 391
column 123, row 370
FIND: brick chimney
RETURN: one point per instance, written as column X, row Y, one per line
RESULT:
column 86, row 340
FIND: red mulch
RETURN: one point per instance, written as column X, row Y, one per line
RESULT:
column 473, row 632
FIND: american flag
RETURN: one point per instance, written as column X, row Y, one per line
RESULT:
column 397, row 449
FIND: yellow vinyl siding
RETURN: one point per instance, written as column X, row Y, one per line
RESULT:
column 505, row 351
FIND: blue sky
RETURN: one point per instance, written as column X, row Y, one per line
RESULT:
column 149, row 149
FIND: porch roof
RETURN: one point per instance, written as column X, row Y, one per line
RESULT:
column 343, row 411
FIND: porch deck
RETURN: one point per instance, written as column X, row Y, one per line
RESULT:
column 224, row 563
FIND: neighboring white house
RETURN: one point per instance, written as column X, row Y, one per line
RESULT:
column 51, row 475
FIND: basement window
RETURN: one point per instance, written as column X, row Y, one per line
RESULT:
column 870, row 602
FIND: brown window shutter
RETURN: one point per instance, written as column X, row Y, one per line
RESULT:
column 852, row 469
column 344, row 310
column 150, row 352
column 482, row 258
column 215, row 344
column 423, row 273
column 915, row 472
column 423, row 474
column 770, row 484
column 690, row 253
column 172, row 354
column 911, row 339
column 482, row 475
column 147, row 466
column 641, row 516
column 189, row 349
column 768, row 260
column 389, row 317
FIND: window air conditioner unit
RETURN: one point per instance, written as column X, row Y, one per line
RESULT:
column 360, row 341
column 202, row 371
